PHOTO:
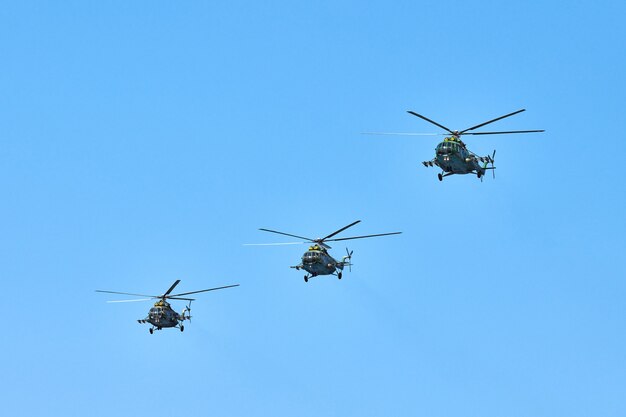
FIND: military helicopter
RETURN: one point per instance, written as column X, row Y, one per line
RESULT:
column 452, row 155
column 317, row 261
column 162, row 315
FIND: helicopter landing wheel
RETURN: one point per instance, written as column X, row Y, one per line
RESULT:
column 440, row 177
column 479, row 174
column 151, row 330
column 339, row 275
column 306, row 278
column 182, row 328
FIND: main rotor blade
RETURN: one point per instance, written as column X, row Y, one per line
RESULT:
column 491, row 121
column 274, row 244
column 339, row 231
column 287, row 234
column 210, row 289
column 128, row 293
column 130, row 301
column 171, row 288
column 502, row 133
column 181, row 298
column 428, row 120
column 362, row 237
column 403, row 134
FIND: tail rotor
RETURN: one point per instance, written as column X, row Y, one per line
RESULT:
column 187, row 312
column 489, row 159
column 349, row 259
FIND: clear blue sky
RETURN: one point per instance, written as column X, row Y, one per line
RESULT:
column 143, row 142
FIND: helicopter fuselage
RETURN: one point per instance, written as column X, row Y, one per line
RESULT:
column 162, row 315
column 453, row 157
column 316, row 261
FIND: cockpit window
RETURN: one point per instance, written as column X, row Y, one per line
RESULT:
column 311, row 256
column 444, row 147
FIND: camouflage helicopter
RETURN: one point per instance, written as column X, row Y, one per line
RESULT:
column 161, row 314
column 317, row 261
column 452, row 155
